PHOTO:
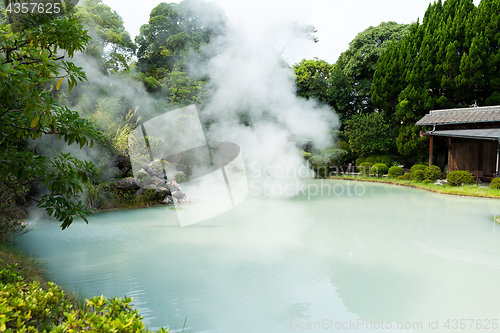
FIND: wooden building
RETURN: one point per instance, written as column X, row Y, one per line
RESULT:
column 465, row 139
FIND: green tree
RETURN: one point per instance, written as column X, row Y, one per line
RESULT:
column 313, row 79
column 449, row 60
column 31, row 60
column 176, row 34
column 369, row 134
column 111, row 43
column 351, row 86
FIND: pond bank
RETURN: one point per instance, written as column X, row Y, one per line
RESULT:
column 465, row 190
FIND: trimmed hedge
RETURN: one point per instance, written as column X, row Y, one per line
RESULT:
column 418, row 167
column 432, row 172
column 417, row 175
column 364, row 168
column 379, row 169
column 406, row 176
column 458, row 178
column 495, row 183
column 396, row 171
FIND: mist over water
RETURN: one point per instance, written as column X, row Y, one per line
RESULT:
column 390, row 254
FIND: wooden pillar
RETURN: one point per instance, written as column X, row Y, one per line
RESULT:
column 430, row 150
column 498, row 158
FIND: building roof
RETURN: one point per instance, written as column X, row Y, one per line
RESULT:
column 461, row 116
column 479, row 134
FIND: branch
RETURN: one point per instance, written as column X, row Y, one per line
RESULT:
column 28, row 128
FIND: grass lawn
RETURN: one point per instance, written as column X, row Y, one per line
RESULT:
column 465, row 190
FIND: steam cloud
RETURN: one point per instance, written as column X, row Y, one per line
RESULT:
column 249, row 80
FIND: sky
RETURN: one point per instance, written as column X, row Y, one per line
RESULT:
column 337, row 21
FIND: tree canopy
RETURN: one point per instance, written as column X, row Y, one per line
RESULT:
column 358, row 63
column 31, row 60
column 110, row 41
column 176, row 34
column 449, row 60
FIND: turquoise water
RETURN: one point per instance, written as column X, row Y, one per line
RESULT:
column 383, row 255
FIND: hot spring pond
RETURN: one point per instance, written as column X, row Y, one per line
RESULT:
column 386, row 258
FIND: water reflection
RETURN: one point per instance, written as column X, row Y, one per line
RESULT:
column 393, row 254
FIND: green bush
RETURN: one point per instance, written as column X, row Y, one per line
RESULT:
column 180, row 178
column 418, row 167
column 399, row 177
column 428, row 181
column 457, row 178
column 417, row 175
column 360, row 160
column 385, row 159
column 396, row 172
column 320, row 165
column 379, row 169
column 364, row 168
column 495, row 183
column 27, row 307
column 407, row 176
column 432, row 172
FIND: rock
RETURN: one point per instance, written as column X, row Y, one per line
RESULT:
column 147, row 169
column 178, row 194
column 140, row 191
column 441, row 182
column 159, row 182
column 168, row 200
column 126, row 184
column 173, row 186
column 184, row 201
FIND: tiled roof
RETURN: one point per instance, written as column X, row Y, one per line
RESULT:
column 461, row 116
column 483, row 133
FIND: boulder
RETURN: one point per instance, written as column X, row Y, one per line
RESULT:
column 173, row 186
column 184, row 201
column 178, row 194
column 126, row 184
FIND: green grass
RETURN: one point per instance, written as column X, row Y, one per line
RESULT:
column 465, row 190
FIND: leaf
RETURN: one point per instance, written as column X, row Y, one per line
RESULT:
column 58, row 85
column 35, row 121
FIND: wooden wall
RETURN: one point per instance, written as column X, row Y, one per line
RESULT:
column 472, row 155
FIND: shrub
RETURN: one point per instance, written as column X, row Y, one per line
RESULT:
column 396, row 172
column 418, row 167
column 428, row 181
column 27, row 307
column 364, row 168
column 407, row 176
column 433, row 172
column 379, row 169
column 399, row 177
column 320, row 165
column 360, row 160
column 385, row 159
column 180, row 178
column 10, row 228
column 458, row 178
column 495, row 184
column 417, row 175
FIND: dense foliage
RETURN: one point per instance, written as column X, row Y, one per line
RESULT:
column 395, row 171
column 458, row 178
column 29, row 307
column 369, row 134
column 31, row 60
column 449, row 60
column 495, row 183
